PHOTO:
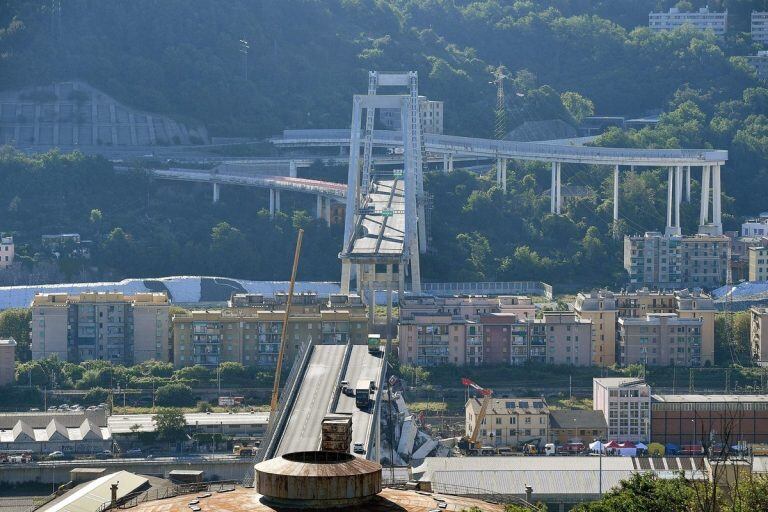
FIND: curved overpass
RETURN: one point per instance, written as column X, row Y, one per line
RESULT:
column 546, row 151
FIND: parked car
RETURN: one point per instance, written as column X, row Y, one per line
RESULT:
column 56, row 455
column 53, row 408
column 358, row 448
column 133, row 452
column 105, row 454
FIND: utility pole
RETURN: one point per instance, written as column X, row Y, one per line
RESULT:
column 244, row 47
column 500, row 126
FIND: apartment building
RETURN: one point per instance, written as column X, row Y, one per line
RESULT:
column 759, row 27
column 509, row 421
column 626, row 405
column 605, row 308
column 756, row 227
column 122, row 329
column 702, row 19
column 758, row 334
column 7, row 361
column 448, row 330
column 249, row 330
column 7, row 251
column 431, row 116
column 505, row 340
column 758, row 263
column 674, row 262
column 568, row 337
column 661, row 339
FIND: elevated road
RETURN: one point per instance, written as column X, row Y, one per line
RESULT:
column 362, row 366
column 381, row 228
column 549, row 151
column 329, row 189
column 320, row 382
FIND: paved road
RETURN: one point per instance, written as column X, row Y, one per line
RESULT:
column 362, row 365
column 302, row 431
column 383, row 235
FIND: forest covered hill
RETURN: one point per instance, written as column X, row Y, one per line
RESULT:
column 307, row 57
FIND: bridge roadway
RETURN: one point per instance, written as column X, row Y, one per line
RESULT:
column 302, row 428
column 337, row 191
column 549, row 151
column 362, row 366
column 382, row 235
column 319, row 393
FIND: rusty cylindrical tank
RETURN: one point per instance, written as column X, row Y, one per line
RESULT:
column 318, row 479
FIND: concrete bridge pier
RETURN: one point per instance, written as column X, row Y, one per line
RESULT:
column 616, row 200
column 501, row 173
column 555, row 191
column 710, row 183
column 687, row 183
column 292, row 172
column 216, row 192
column 271, row 202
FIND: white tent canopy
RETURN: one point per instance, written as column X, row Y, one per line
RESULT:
column 641, row 446
column 597, row 446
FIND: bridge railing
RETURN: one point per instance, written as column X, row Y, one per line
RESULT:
column 490, row 287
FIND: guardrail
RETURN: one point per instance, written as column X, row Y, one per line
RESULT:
column 481, row 494
column 277, row 421
column 161, row 493
column 375, row 422
column 339, row 377
column 490, row 287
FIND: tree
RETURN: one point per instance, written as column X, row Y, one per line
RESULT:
column 14, row 323
column 414, row 374
column 170, row 424
column 203, row 406
column 174, row 394
column 577, row 105
column 197, row 373
column 644, row 493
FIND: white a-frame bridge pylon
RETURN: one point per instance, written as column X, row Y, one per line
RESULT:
column 384, row 228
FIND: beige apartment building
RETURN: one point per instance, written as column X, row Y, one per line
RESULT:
column 605, row 309
column 568, row 337
column 661, row 339
column 626, row 405
column 7, row 361
column 674, row 262
column 509, row 422
column 758, row 334
column 248, row 332
column 122, row 329
column 758, row 263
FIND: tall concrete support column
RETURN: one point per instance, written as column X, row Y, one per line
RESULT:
column 717, row 220
column 319, row 208
column 292, row 169
column 498, row 171
column 553, row 189
column 327, row 209
column 704, row 206
column 216, row 193
column 445, row 162
column 559, row 190
column 388, row 330
column 271, row 202
column 504, row 175
column 277, row 200
column 400, row 280
column 616, row 199
column 346, row 276
column 450, row 163
column 668, row 228
column 687, row 183
column 678, row 197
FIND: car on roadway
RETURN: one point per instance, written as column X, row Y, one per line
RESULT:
column 133, row 452
column 104, row 454
column 358, row 448
column 56, row 455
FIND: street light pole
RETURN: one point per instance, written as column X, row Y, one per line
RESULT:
column 244, row 47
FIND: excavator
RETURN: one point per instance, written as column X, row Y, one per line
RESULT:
column 469, row 444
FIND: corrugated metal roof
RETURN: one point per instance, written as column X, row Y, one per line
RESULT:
column 122, row 423
column 93, row 495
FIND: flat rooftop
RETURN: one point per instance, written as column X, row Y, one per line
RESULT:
column 709, row 398
column 122, row 423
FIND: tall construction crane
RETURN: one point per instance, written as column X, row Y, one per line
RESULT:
column 471, row 441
